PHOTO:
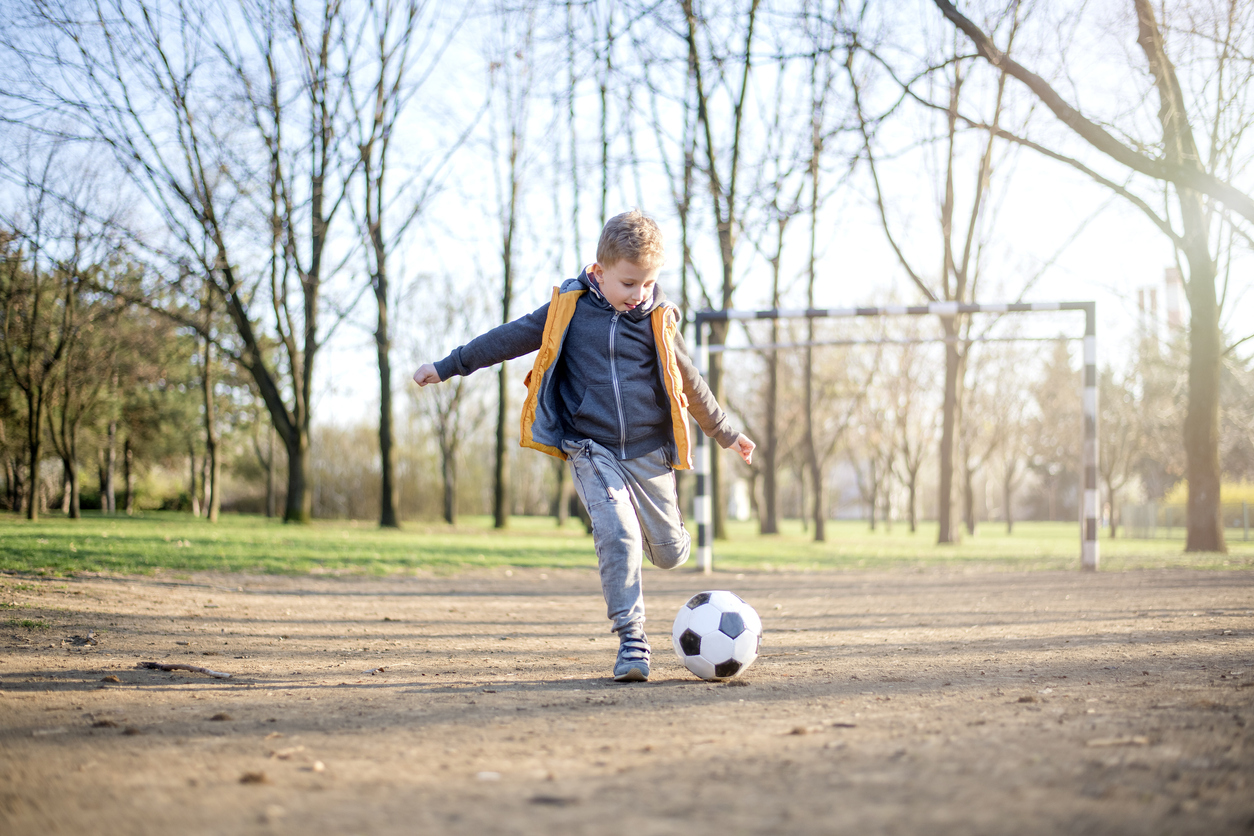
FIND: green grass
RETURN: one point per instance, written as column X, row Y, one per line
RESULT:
column 28, row 623
column 180, row 543
column 1033, row 545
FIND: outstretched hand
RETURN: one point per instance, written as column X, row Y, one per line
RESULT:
column 744, row 446
column 426, row 374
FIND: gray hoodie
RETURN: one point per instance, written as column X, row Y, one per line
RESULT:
column 609, row 385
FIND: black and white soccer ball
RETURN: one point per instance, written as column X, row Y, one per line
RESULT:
column 716, row 634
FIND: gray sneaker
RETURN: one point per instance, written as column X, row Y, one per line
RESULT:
column 632, row 664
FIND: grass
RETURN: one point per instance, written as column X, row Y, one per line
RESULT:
column 179, row 542
column 169, row 542
column 28, row 623
column 1032, row 545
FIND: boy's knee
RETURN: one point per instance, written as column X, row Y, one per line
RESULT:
column 671, row 555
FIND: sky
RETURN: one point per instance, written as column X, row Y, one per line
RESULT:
column 1096, row 246
column 1044, row 217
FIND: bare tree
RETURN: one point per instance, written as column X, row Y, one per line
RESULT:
column 722, row 171
column 915, row 425
column 678, row 152
column 1199, row 191
column 1120, row 442
column 455, row 409
column 510, row 72
column 164, row 89
column 41, row 282
column 1054, row 446
column 1008, row 412
column 779, row 183
column 872, row 453
column 405, row 47
column 981, row 434
column 81, row 384
column 821, row 80
column 212, row 478
column 958, row 275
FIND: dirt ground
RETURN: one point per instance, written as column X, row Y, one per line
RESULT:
column 897, row 703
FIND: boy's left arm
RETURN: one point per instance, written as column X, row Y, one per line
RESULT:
column 701, row 403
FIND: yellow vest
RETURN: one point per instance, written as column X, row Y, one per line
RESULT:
column 541, row 429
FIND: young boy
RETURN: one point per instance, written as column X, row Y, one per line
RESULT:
column 607, row 393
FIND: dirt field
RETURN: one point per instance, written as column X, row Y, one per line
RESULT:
column 883, row 703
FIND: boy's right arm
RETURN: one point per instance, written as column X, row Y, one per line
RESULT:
column 504, row 342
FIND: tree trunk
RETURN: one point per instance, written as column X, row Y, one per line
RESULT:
column 191, row 488
column 603, row 84
column 873, row 504
column 500, row 486
column 299, row 497
column 968, row 498
column 818, row 501
column 206, row 485
column 802, row 514
column 272, row 499
column 770, row 488
column 70, row 503
column 723, row 195
column 108, row 499
column 949, row 436
column 718, row 504
column 1007, row 492
column 65, row 488
column 559, row 508
column 383, row 348
column 213, row 468
column 887, row 514
column 388, row 517
column 448, row 472
column 128, row 468
column 770, row 491
column 1205, row 531
column 34, row 451
column 13, row 476
column 913, row 490
column 1110, row 500
column 812, row 454
column 76, row 509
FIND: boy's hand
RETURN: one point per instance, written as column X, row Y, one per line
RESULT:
column 744, row 447
column 426, row 374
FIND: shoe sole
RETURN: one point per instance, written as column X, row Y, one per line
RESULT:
column 632, row 675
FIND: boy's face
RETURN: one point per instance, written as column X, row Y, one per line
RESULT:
column 625, row 284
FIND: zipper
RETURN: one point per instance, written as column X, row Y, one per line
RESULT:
column 618, row 394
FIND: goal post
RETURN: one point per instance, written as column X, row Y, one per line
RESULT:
column 1089, row 496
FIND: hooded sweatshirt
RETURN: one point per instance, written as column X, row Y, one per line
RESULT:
column 608, row 383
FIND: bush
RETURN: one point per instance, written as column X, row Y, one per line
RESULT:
column 1230, row 493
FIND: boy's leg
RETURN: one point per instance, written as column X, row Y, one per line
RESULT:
column 615, row 530
column 652, row 482
column 634, row 509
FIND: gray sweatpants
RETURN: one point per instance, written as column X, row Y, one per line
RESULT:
column 635, row 511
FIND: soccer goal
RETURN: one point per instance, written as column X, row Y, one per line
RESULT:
column 1089, row 506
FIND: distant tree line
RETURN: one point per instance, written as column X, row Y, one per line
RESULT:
column 199, row 198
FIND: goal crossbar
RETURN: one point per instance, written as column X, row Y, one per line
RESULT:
column 723, row 349
column 702, row 507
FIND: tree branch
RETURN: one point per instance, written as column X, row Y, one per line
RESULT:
column 1187, row 174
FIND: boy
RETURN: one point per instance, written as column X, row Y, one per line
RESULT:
column 608, row 391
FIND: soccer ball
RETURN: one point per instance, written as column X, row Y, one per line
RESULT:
column 716, row 634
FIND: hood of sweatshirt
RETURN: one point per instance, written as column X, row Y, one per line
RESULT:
column 636, row 314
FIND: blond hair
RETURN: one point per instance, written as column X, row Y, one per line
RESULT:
column 633, row 236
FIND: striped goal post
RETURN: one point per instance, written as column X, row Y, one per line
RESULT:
column 1089, row 510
